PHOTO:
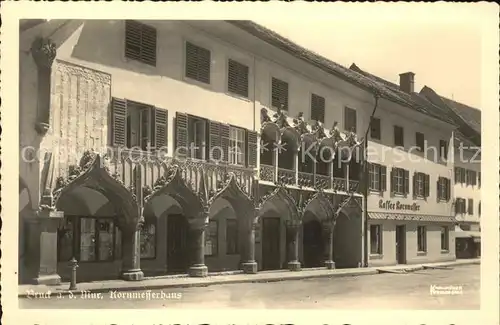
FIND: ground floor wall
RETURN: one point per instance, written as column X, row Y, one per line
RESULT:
column 388, row 253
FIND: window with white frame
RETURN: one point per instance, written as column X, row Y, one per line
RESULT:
column 236, row 146
column 399, row 181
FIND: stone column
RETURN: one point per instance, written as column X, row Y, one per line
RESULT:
column 250, row 265
column 197, row 240
column 42, row 247
column 293, row 247
column 44, row 52
column 131, row 264
column 328, row 239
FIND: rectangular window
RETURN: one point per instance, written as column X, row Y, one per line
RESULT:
column 317, row 108
column 105, row 232
column 399, row 139
column 375, row 239
column 231, row 237
column 237, row 78
column 88, row 240
column 197, row 138
column 140, row 42
column 198, row 61
column 375, row 128
column 419, row 182
column 378, row 176
column 445, row 239
column 443, row 149
column 470, row 177
column 211, row 238
column 148, row 239
column 420, row 141
column 279, row 94
column 443, row 189
column 422, row 238
column 350, row 119
column 236, row 146
column 400, row 181
column 470, row 207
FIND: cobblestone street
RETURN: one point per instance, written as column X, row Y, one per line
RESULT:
column 395, row 291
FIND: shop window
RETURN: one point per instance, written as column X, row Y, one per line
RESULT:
column 231, row 237
column 88, row 239
column 375, row 239
column 422, row 238
column 445, row 237
column 211, row 238
column 148, row 239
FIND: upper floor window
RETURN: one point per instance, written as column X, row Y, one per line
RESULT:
column 400, row 181
column 399, row 136
column 443, row 149
column 140, row 42
column 375, row 128
column 317, row 108
column 279, row 94
column 470, row 207
column 236, row 146
column 237, row 78
column 350, row 119
column 200, row 138
column 443, row 189
column 420, row 185
column 459, row 175
column 137, row 125
column 420, row 141
column 479, row 179
column 470, row 177
column 378, row 176
column 198, row 61
column 479, row 208
column 460, row 205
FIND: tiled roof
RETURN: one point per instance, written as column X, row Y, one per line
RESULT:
column 333, row 68
column 418, row 102
column 471, row 115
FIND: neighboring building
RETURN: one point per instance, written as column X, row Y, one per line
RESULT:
column 410, row 212
column 467, row 176
column 114, row 106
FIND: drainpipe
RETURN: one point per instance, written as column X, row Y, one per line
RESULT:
column 365, row 178
column 254, row 95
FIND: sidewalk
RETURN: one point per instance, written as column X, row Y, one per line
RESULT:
column 168, row 282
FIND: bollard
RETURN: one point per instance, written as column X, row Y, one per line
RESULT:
column 74, row 264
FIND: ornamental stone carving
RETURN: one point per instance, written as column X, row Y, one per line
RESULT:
column 44, row 52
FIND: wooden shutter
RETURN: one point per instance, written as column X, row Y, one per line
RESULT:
column 462, row 175
column 119, row 125
column 383, row 178
column 279, row 93
column 140, row 42
column 224, row 139
column 474, row 179
column 470, row 207
column 198, row 61
column 426, row 185
column 448, row 189
column 181, row 134
column 406, row 181
column 457, row 175
column 439, row 185
column 317, row 108
column 393, row 181
column 251, row 141
column 415, row 177
column 237, row 78
column 159, row 134
column 214, row 141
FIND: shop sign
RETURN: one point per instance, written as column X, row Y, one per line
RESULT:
column 397, row 205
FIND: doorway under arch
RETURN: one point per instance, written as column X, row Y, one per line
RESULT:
column 312, row 241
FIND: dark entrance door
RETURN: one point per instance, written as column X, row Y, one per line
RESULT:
column 271, row 244
column 177, row 244
column 401, row 244
column 313, row 244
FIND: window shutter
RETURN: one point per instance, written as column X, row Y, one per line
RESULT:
column 439, row 185
column 140, row 42
column 407, row 181
column 393, row 181
column 251, row 141
column 426, row 185
column 181, row 134
column 470, row 207
column 457, row 205
column 415, row 177
column 318, row 108
column 279, row 93
column 474, row 179
column 198, row 61
column 160, row 130
column 448, row 189
column 224, row 138
column 119, row 125
column 214, row 141
column 462, row 175
column 237, row 78
column 457, row 175
column 383, row 178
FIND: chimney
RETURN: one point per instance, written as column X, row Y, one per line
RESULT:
column 406, row 82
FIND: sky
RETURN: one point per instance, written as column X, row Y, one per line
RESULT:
column 444, row 53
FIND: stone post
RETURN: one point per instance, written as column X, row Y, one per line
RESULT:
column 197, row 239
column 293, row 246
column 250, row 265
column 131, row 265
column 328, row 239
